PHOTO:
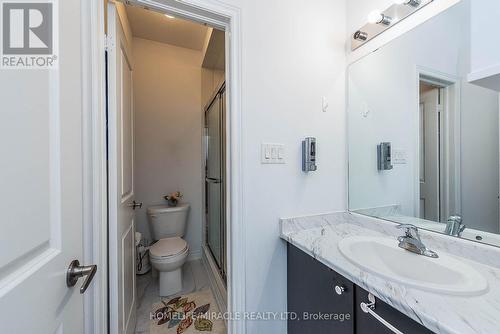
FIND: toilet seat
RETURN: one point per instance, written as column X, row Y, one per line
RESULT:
column 168, row 248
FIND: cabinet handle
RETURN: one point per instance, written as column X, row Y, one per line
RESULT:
column 370, row 309
column 339, row 289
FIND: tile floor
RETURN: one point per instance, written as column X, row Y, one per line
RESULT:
column 195, row 278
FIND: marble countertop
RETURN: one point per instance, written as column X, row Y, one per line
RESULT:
column 319, row 236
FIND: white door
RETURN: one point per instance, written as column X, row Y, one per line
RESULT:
column 430, row 124
column 121, row 183
column 41, row 191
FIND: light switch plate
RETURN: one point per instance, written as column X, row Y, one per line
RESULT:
column 399, row 157
column 273, row 153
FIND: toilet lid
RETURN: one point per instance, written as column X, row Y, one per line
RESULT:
column 168, row 247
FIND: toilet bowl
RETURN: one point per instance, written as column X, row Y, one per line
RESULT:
column 170, row 251
column 167, row 256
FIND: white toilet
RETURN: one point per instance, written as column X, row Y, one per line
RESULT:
column 170, row 251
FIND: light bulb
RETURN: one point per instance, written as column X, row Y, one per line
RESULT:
column 376, row 17
column 413, row 3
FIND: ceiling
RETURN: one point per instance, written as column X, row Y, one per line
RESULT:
column 157, row 27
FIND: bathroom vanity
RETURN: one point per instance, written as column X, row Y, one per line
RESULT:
column 332, row 302
column 454, row 294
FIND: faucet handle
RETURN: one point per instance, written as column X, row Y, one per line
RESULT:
column 407, row 227
column 410, row 230
column 462, row 228
column 457, row 218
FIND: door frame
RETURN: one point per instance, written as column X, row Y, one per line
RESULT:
column 217, row 14
column 449, row 175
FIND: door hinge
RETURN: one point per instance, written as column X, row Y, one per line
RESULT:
column 108, row 43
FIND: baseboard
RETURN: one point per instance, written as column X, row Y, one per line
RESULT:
column 216, row 283
column 194, row 255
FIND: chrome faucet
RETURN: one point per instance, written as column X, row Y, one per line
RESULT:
column 454, row 226
column 411, row 241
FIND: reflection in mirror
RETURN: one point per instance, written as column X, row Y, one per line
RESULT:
column 423, row 141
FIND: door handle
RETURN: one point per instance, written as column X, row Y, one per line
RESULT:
column 76, row 271
column 212, row 180
column 135, row 205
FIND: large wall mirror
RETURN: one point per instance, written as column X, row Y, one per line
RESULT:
column 423, row 140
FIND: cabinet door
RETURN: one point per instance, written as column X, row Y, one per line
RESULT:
column 312, row 297
column 367, row 324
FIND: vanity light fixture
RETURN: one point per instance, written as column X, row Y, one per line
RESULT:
column 376, row 17
column 360, row 36
column 381, row 20
column 413, row 3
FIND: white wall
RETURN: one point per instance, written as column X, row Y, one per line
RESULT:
column 168, row 131
column 293, row 54
column 485, row 56
column 213, row 66
column 485, row 15
column 480, row 158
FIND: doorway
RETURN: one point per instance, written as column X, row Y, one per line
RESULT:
column 438, row 146
column 431, row 146
column 155, row 153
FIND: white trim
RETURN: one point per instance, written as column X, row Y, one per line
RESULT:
column 446, row 111
column 95, row 180
column 452, row 87
column 215, row 13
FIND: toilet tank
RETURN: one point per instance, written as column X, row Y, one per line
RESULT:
column 168, row 222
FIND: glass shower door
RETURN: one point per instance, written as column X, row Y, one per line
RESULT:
column 215, row 201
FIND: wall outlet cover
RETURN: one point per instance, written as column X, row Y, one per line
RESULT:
column 273, row 154
column 399, row 157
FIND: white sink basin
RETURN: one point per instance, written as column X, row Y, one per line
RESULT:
column 382, row 256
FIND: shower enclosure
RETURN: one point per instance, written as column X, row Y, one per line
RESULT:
column 215, row 179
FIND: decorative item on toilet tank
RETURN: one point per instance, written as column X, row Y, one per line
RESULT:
column 173, row 198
